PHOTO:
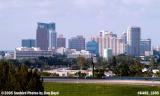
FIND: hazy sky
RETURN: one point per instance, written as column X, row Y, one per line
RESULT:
column 18, row 18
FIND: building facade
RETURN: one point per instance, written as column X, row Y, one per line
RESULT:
column 77, row 43
column 124, row 38
column 145, row 46
column 101, row 43
column 107, row 54
column 61, row 42
column 133, row 41
column 82, row 53
column 23, row 52
column 53, row 39
column 46, row 36
column 28, row 43
column 93, row 47
column 108, row 40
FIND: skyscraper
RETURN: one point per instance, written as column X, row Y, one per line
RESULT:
column 108, row 40
column 42, row 36
column 111, row 42
column 145, row 46
column 92, row 47
column 61, row 41
column 124, row 38
column 77, row 43
column 28, row 43
column 115, row 43
column 52, row 35
column 133, row 41
column 46, row 36
column 101, row 43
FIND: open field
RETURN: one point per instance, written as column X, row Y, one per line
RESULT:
column 81, row 89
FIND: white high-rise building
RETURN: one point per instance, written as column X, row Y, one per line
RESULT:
column 111, row 42
column 120, row 46
column 108, row 40
column 124, row 38
column 101, row 43
column 107, row 54
column 133, row 41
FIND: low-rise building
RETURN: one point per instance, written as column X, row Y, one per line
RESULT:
column 23, row 52
column 81, row 53
column 62, row 50
column 107, row 53
column 64, row 72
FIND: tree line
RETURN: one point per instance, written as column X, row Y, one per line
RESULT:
column 19, row 78
column 121, row 65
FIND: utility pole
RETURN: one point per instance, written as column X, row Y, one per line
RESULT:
column 94, row 60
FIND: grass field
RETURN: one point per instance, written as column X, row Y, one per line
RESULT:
column 66, row 89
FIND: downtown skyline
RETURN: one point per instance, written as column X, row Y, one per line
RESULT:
column 79, row 17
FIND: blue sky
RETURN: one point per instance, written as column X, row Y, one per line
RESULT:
column 18, row 18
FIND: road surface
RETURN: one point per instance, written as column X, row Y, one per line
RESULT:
column 103, row 81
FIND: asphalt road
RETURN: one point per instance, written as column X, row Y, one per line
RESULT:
column 103, row 81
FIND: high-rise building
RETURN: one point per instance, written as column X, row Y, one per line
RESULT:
column 120, row 46
column 133, row 41
column 92, row 47
column 77, row 43
column 145, row 46
column 107, row 54
column 101, row 43
column 28, row 43
column 124, row 38
column 46, row 36
column 53, row 36
column 111, row 41
column 61, row 41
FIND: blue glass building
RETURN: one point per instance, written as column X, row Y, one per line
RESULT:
column 28, row 43
column 77, row 43
column 92, row 47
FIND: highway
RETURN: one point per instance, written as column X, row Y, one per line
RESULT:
column 103, row 81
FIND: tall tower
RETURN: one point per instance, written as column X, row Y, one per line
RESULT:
column 124, row 39
column 42, row 36
column 133, row 41
column 100, row 42
column 46, row 36
column 52, row 35
column 145, row 46
column 109, row 40
column 61, row 41
column 77, row 43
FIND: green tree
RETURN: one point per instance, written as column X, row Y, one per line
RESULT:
column 123, row 70
column 136, row 69
column 153, row 64
column 80, row 74
column 81, row 62
column 19, row 78
column 99, row 73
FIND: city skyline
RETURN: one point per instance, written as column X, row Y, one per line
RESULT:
column 79, row 17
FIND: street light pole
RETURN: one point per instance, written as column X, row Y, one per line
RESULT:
column 94, row 60
column 92, row 67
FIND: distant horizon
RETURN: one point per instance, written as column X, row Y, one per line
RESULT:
column 19, row 18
